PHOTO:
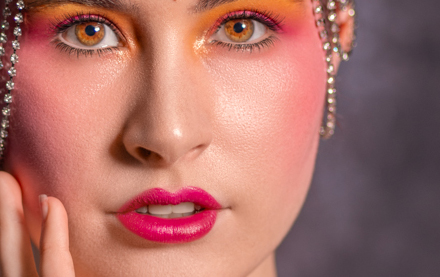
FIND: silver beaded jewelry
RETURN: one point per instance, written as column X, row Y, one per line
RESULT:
column 10, row 85
column 325, row 15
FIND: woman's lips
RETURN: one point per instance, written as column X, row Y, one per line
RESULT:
column 170, row 230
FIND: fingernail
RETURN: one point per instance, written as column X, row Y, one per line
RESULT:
column 43, row 205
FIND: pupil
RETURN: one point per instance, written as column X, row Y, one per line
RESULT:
column 91, row 30
column 239, row 27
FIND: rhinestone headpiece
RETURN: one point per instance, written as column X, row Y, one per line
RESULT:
column 15, row 45
column 326, row 15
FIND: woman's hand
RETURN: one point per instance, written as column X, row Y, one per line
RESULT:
column 16, row 257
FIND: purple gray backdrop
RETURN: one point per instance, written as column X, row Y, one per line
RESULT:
column 374, row 204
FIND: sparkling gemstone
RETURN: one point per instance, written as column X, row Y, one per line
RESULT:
column 5, row 25
column 331, row 117
column 8, row 98
column 331, row 5
column 335, row 39
column 331, row 125
column 330, row 91
column 3, row 133
column 331, row 100
column 10, row 85
column 336, row 49
column 331, row 80
column 332, row 108
column 20, row 4
column 320, row 22
column 332, row 17
column 1, row 65
column 3, row 38
column 5, row 123
column 6, row 12
column 6, row 111
column 351, row 12
column 12, row 72
column 18, row 18
column 318, row 10
column 17, row 31
column 327, row 46
column 345, row 57
column 335, row 28
column 2, row 50
column 330, row 57
column 15, row 44
column 14, row 58
column 323, row 34
column 330, row 68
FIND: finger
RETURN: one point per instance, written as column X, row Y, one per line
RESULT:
column 55, row 258
column 16, row 257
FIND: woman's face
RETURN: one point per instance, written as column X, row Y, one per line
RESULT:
column 181, row 100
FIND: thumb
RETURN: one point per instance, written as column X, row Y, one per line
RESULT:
column 55, row 258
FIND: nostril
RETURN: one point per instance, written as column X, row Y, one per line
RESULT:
column 144, row 153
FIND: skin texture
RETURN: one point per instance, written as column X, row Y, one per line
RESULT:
column 165, row 111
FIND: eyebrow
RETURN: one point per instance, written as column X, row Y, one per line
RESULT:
column 204, row 5
column 108, row 4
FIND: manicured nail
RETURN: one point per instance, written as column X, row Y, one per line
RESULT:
column 43, row 205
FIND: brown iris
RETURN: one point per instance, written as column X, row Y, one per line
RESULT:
column 239, row 30
column 90, row 33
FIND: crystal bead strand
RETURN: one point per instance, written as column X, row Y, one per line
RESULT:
column 10, row 85
column 326, row 16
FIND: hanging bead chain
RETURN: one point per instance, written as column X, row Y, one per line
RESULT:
column 10, row 85
column 325, row 16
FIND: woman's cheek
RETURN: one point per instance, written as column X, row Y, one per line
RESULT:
column 65, row 113
column 268, row 110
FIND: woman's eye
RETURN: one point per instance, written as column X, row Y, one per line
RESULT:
column 90, row 35
column 240, row 30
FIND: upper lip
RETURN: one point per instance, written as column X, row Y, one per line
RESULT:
column 159, row 196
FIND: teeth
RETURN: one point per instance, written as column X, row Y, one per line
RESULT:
column 170, row 211
column 142, row 210
column 185, row 207
column 160, row 209
column 175, row 215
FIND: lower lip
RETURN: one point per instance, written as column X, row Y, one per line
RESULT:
column 169, row 230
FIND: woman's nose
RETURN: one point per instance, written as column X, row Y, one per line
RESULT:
column 172, row 116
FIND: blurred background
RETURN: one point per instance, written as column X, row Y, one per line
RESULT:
column 374, row 208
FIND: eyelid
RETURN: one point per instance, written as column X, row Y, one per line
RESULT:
column 273, row 22
column 79, row 18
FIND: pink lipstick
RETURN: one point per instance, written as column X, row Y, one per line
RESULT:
column 144, row 214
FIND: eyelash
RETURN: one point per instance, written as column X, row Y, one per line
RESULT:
column 69, row 20
column 273, row 22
